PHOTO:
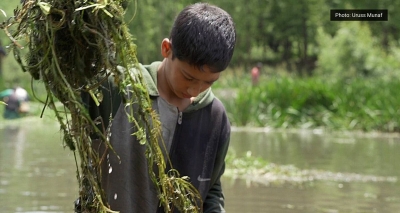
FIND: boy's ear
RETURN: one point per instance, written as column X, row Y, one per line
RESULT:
column 166, row 48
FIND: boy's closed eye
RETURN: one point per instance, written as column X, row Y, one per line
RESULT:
column 210, row 82
column 188, row 78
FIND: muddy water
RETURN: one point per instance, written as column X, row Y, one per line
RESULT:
column 36, row 173
column 351, row 172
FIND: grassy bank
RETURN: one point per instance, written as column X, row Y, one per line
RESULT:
column 290, row 102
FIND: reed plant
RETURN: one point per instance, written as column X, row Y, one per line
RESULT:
column 368, row 104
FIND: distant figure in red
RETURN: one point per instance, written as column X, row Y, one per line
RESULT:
column 255, row 74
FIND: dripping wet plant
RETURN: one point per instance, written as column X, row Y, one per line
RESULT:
column 74, row 47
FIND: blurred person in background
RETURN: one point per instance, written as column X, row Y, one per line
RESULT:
column 17, row 102
column 255, row 74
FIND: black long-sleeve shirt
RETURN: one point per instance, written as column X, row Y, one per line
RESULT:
column 197, row 150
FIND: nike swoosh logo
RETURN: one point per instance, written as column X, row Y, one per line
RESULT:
column 203, row 179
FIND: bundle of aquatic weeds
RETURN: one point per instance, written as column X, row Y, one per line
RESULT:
column 73, row 47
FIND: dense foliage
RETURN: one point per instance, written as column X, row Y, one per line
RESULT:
column 290, row 34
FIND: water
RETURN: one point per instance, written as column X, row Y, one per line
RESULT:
column 360, row 164
column 38, row 175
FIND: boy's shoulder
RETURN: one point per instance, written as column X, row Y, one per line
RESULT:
column 149, row 74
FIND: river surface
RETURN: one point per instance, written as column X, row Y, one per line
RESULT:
column 342, row 172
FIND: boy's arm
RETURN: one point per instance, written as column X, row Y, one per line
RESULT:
column 214, row 202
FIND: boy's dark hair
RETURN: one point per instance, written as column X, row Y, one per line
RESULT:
column 203, row 34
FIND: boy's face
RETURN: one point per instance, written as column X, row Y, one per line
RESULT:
column 183, row 79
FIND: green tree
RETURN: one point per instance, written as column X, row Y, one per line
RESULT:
column 276, row 33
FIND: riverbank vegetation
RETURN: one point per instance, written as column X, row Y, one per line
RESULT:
column 367, row 104
column 255, row 170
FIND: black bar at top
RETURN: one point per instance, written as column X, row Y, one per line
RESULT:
column 359, row 15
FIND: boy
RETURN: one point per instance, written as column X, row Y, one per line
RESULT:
column 195, row 127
